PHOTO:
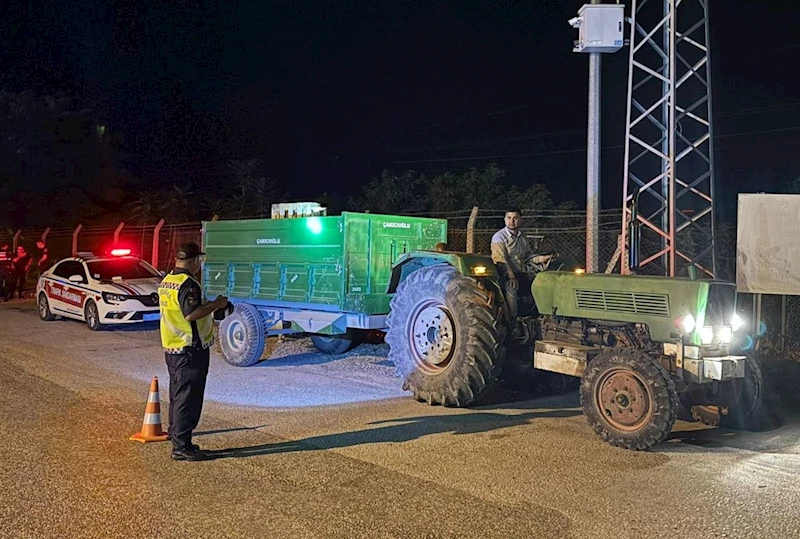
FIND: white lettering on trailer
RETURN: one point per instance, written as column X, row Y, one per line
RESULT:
column 268, row 241
column 388, row 224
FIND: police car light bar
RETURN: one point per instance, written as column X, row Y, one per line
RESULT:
column 120, row 252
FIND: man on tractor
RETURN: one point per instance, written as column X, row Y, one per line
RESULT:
column 516, row 262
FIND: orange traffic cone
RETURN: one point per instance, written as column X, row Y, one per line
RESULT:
column 151, row 426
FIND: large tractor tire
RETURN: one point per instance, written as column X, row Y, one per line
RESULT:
column 629, row 399
column 738, row 403
column 446, row 336
column 242, row 336
column 334, row 344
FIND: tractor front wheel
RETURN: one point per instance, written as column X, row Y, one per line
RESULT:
column 629, row 399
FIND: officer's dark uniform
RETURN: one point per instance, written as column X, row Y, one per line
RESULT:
column 5, row 275
column 186, row 350
column 188, row 371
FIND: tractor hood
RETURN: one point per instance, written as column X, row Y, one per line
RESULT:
column 672, row 308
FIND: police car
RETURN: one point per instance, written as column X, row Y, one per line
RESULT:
column 116, row 289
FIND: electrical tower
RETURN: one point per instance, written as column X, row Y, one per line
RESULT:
column 668, row 195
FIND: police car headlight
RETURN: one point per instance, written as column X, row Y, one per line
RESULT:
column 114, row 298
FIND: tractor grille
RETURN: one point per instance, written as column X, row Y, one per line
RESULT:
column 623, row 302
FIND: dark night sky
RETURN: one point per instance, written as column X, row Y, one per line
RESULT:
column 329, row 94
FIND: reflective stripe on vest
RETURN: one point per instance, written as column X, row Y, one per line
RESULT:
column 176, row 331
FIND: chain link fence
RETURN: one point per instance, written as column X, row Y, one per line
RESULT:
column 778, row 332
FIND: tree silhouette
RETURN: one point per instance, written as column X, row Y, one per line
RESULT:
column 253, row 193
column 448, row 192
column 392, row 194
column 173, row 205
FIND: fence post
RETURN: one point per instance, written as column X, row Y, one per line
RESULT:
column 616, row 256
column 156, row 232
column 75, row 240
column 16, row 239
column 473, row 216
column 758, row 319
column 117, row 231
column 783, row 322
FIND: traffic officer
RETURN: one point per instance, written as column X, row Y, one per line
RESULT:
column 187, row 333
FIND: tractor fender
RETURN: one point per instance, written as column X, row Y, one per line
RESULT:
column 470, row 265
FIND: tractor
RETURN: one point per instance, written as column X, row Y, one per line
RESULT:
column 645, row 348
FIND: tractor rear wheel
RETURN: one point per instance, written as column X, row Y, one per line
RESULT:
column 446, row 336
column 629, row 399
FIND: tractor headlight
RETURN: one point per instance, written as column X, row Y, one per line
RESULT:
column 707, row 335
column 479, row 270
column 736, row 322
column 114, row 298
column 718, row 335
column 724, row 335
column 688, row 323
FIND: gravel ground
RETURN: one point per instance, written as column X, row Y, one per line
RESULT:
column 294, row 373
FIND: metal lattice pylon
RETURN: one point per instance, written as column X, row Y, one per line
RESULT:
column 669, row 139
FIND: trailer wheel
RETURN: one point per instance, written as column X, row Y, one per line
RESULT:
column 629, row 399
column 242, row 335
column 739, row 402
column 334, row 344
column 445, row 335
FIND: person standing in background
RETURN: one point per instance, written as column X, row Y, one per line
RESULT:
column 6, row 273
column 21, row 264
column 43, row 262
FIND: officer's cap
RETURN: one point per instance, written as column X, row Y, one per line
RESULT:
column 187, row 251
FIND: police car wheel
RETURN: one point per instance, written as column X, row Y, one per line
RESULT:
column 92, row 316
column 44, row 308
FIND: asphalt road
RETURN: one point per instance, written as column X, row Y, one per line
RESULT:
column 313, row 446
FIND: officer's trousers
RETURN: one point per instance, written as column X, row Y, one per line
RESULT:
column 187, row 385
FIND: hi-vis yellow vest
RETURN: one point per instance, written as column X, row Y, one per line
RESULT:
column 176, row 331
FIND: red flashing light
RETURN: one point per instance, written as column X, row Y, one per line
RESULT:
column 120, row 252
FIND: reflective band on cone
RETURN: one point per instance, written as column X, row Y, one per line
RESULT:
column 151, row 426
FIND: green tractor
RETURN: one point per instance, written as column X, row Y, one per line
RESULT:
column 645, row 348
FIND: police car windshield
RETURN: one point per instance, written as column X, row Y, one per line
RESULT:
column 120, row 268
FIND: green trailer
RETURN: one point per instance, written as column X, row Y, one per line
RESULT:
column 327, row 276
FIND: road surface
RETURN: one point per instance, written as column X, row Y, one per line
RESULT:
column 311, row 446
